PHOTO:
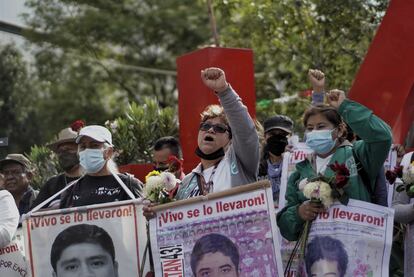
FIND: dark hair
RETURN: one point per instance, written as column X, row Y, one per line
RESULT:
column 326, row 248
column 213, row 243
column 330, row 113
column 169, row 142
column 82, row 233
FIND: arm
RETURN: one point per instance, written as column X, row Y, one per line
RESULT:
column 317, row 80
column 9, row 218
column 288, row 219
column 244, row 136
column 375, row 135
column 404, row 211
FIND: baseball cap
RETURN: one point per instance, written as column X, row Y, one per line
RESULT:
column 281, row 122
column 65, row 135
column 95, row 132
column 17, row 158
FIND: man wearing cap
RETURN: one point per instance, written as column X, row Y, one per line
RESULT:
column 66, row 150
column 17, row 171
column 277, row 129
column 98, row 185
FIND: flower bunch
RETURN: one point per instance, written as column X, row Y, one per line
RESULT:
column 160, row 187
column 406, row 175
column 326, row 190
column 77, row 125
column 319, row 191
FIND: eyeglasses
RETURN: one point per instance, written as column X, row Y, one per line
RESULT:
column 218, row 128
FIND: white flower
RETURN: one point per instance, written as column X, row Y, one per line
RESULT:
column 169, row 181
column 408, row 174
column 302, row 184
column 153, row 183
column 319, row 190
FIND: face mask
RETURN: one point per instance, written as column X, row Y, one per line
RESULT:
column 276, row 144
column 68, row 160
column 161, row 168
column 210, row 157
column 92, row 160
column 320, row 141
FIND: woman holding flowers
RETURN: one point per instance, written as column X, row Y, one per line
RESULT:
column 326, row 135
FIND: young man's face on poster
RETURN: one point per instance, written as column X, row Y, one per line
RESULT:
column 86, row 260
column 216, row 265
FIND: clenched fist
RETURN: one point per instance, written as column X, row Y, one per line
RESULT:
column 335, row 97
column 215, row 79
column 317, row 80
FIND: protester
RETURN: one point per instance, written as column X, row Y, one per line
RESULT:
column 18, row 173
column 167, row 151
column 83, row 250
column 404, row 213
column 66, row 150
column 277, row 129
column 326, row 135
column 215, row 255
column 228, row 145
column 98, row 185
column 9, row 215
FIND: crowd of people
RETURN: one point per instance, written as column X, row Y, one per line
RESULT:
column 231, row 154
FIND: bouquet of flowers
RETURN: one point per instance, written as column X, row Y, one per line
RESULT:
column 407, row 177
column 160, row 187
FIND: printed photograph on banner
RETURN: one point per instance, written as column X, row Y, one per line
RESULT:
column 230, row 236
column 12, row 260
column 353, row 240
column 104, row 241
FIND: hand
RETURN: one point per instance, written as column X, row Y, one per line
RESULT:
column 308, row 211
column 400, row 152
column 148, row 211
column 335, row 98
column 215, row 79
column 317, row 80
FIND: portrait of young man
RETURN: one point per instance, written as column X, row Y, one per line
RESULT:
column 215, row 255
column 83, row 250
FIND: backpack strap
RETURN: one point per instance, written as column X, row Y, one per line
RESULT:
column 364, row 176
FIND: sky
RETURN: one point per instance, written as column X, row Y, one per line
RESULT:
column 9, row 13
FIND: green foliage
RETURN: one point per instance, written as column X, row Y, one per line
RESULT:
column 135, row 133
column 45, row 165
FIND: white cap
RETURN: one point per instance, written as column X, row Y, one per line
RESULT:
column 95, row 132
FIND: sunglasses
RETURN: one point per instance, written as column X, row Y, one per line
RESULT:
column 218, row 128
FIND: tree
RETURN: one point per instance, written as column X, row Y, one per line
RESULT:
column 18, row 97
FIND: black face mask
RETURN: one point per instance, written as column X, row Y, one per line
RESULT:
column 276, row 144
column 68, row 160
column 161, row 168
column 210, row 157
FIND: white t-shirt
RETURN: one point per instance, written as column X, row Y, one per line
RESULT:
column 9, row 217
column 321, row 163
column 221, row 178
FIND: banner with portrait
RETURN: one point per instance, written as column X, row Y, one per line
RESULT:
column 227, row 232
column 12, row 258
column 352, row 240
column 105, row 239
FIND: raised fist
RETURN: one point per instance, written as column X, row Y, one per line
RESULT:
column 317, row 80
column 335, row 97
column 215, row 79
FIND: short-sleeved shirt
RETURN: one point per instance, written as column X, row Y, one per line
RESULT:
column 90, row 190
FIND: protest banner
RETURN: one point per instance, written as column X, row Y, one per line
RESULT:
column 107, row 239
column 356, row 238
column 12, row 260
column 230, row 231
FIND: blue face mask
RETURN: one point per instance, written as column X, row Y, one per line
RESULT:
column 92, row 160
column 320, row 141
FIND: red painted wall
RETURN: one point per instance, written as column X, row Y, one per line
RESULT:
column 385, row 81
column 194, row 96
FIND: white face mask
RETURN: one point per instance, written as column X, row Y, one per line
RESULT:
column 92, row 160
